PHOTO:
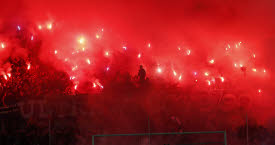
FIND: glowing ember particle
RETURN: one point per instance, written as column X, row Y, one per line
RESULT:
column 208, row 82
column 102, row 29
column 212, row 61
column 196, row 80
column 81, row 40
column 75, row 87
column 97, row 36
column 49, row 26
column 5, row 76
column 29, row 66
column 236, row 46
column 222, row 79
column 39, row 27
column 178, row 48
column 254, row 55
column 66, row 59
column 31, row 37
column 175, row 73
column 139, row 55
column 195, row 73
column 108, row 68
column 264, row 71
column 83, row 49
column 124, row 47
column 259, row 91
column 254, row 69
column 228, row 46
column 179, row 77
column 74, row 68
column 94, row 85
column 55, row 52
column 9, row 74
column 206, row 74
column 241, row 65
column 19, row 28
column 72, row 78
column 235, row 64
column 149, row 45
column 2, row 45
column 240, row 43
column 88, row 61
column 188, row 52
column 107, row 53
column 159, row 70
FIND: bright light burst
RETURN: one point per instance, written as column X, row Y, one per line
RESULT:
column 39, row 27
column 175, row 73
column 159, row 70
column 29, row 66
column 88, row 61
column 81, row 40
column 222, row 79
column 179, row 77
column 211, row 61
column 188, row 52
column 2, row 45
column 139, row 55
column 49, row 26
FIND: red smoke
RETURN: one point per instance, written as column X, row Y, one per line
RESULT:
column 191, row 45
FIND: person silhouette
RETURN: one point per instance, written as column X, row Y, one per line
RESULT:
column 141, row 73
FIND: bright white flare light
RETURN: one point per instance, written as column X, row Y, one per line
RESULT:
column 222, row 79
column 254, row 69
column 124, row 47
column 97, row 36
column 175, row 73
column 107, row 53
column 2, row 45
column 259, row 91
column 159, row 70
column 88, row 61
column 179, row 77
column 81, row 40
column 5, row 76
column 188, row 52
column 139, row 55
column 206, row 74
column 39, row 27
column 94, row 85
column 212, row 61
column 55, row 52
column 208, row 82
column 29, row 66
column 49, row 26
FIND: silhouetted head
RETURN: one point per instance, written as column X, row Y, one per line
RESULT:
column 140, row 66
